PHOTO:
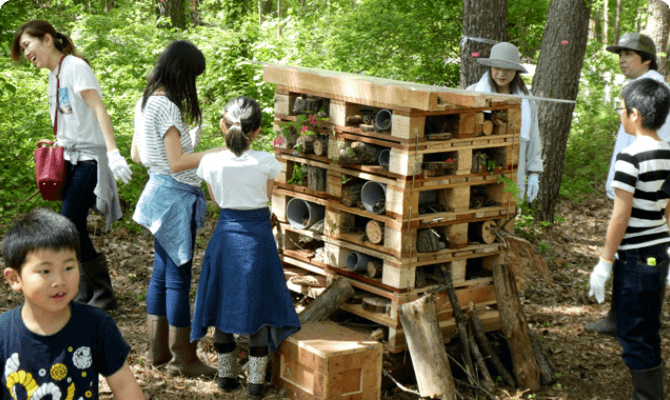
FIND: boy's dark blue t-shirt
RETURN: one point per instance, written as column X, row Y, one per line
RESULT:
column 64, row 365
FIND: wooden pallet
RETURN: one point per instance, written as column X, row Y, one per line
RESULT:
column 398, row 274
column 480, row 292
column 413, row 158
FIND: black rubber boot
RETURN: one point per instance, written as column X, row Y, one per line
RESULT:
column 100, row 283
column 85, row 292
column 648, row 383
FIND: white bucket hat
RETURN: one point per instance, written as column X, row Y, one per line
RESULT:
column 504, row 56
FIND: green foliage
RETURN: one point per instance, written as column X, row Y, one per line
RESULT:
column 299, row 174
column 525, row 25
column 594, row 126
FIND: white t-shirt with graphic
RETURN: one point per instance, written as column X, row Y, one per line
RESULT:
column 239, row 183
column 76, row 120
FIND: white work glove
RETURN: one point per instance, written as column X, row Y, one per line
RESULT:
column 119, row 166
column 195, row 135
column 601, row 273
column 533, row 187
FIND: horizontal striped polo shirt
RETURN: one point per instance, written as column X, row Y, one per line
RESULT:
column 641, row 169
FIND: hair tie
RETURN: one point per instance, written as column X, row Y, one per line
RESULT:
column 238, row 122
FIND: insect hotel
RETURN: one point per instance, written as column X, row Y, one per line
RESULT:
column 394, row 188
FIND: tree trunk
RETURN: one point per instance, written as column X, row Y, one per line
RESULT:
column 617, row 20
column 279, row 17
column 658, row 27
column 557, row 76
column 175, row 9
column 606, row 18
column 482, row 20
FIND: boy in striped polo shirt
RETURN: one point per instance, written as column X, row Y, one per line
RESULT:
column 638, row 235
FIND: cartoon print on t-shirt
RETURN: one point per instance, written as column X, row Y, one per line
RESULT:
column 22, row 384
column 64, row 103
column 82, row 358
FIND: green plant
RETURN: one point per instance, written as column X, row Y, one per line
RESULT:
column 345, row 179
column 299, row 174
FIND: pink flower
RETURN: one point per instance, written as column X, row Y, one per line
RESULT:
column 313, row 119
column 278, row 141
column 564, row 42
column 475, row 54
column 303, row 129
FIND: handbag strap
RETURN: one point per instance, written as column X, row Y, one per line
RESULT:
column 57, row 94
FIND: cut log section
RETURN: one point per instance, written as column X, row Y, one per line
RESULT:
column 487, row 128
column 375, row 269
column 306, row 143
column 482, row 232
column 360, row 153
column 375, row 231
column 429, row 356
column 351, row 194
column 327, row 302
column 316, row 178
column 320, row 147
column 428, row 241
column 376, row 304
column 515, row 328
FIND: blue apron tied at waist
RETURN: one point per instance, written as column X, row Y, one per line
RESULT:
column 106, row 195
column 166, row 207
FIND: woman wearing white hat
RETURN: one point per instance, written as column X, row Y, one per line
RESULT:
column 504, row 77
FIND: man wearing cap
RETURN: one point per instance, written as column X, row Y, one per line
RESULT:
column 637, row 59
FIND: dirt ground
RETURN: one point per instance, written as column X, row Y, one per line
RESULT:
column 588, row 365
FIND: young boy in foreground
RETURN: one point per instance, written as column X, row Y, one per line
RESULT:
column 51, row 345
column 638, row 235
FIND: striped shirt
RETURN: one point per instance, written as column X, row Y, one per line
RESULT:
column 641, row 169
column 151, row 125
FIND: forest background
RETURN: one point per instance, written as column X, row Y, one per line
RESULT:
column 410, row 40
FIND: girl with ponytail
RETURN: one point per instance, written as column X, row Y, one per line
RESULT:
column 242, row 289
column 84, row 130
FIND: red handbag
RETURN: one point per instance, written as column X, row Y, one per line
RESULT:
column 50, row 171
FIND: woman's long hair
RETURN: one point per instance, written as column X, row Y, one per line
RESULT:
column 242, row 117
column 38, row 29
column 517, row 82
column 175, row 72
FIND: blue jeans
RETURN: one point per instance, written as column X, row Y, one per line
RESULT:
column 641, row 288
column 170, row 287
column 78, row 199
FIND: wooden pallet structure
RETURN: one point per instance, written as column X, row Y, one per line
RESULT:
column 439, row 162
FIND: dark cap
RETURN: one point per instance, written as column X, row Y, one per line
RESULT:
column 634, row 41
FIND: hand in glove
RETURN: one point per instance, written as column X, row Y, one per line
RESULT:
column 601, row 273
column 119, row 166
column 195, row 135
column 533, row 187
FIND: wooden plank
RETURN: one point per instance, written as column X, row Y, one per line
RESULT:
column 368, row 90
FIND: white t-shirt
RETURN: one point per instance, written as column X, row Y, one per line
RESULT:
column 76, row 120
column 239, row 183
column 151, row 125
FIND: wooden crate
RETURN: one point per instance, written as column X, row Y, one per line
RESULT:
column 326, row 361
